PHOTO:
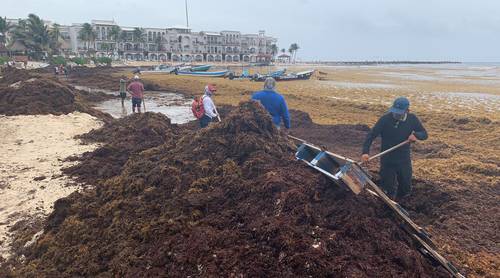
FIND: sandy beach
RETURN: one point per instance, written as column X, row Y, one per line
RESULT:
column 34, row 150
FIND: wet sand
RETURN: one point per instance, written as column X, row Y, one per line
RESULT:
column 33, row 150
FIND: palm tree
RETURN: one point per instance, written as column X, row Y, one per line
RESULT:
column 33, row 34
column 5, row 27
column 88, row 35
column 55, row 35
column 115, row 33
column 123, row 38
column 159, row 43
column 274, row 49
column 106, row 47
column 39, row 37
column 84, row 34
column 283, row 50
column 55, row 32
column 19, row 32
column 139, row 36
column 294, row 47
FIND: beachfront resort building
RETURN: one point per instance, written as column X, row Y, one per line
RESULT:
column 172, row 44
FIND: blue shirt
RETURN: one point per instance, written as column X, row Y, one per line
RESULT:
column 275, row 104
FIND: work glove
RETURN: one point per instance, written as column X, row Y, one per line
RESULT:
column 365, row 157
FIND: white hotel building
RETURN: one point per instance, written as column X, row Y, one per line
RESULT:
column 173, row 44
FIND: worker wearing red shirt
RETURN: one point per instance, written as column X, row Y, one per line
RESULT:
column 136, row 89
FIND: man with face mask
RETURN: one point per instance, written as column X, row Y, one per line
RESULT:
column 396, row 126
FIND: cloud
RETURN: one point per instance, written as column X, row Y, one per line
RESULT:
column 325, row 29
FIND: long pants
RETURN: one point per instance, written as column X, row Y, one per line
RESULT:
column 400, row 172
column 204, row 121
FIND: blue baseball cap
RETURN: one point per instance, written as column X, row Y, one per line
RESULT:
column 400, row 105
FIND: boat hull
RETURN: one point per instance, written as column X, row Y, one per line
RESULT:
column 203, row 73
column 201, row 68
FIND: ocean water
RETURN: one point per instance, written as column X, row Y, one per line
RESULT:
column 174, row 106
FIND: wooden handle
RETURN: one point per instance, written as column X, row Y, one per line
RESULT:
column 296, row 138
column 390, row 150
column 218, row 116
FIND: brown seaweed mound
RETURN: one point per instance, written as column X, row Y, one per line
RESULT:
column 36, row 96
column 121, row 139
column 25, row 93
column 229, row 200
column 14, row 75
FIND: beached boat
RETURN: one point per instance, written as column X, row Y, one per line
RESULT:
column 277, row 73
column 203, row 73
column 201, row 68
column 165, row 69
column 304, row 75
column 160, row 71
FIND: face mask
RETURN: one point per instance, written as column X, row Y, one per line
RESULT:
column 400, row 117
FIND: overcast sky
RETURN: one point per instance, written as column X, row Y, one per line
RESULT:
column 462, row 30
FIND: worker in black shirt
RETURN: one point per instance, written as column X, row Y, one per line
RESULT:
column 395, row 127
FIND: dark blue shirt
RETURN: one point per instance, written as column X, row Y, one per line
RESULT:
column 394, row 132
column 275, row 104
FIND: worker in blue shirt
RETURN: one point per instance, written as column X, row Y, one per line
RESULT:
column 274, row 103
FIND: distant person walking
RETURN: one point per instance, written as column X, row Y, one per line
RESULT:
column 274, row 103
column 395, row 127
column 136, row 89
column 66, row 72
column 123, row 89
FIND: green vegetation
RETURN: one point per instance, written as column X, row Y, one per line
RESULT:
column 79, row 61
column 3, row 60
column 58, row 60
column 4, row 28
column 103, row 60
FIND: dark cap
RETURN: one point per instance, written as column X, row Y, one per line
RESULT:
column 400, row 105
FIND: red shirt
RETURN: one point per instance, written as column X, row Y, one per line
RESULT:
column 137, row 89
